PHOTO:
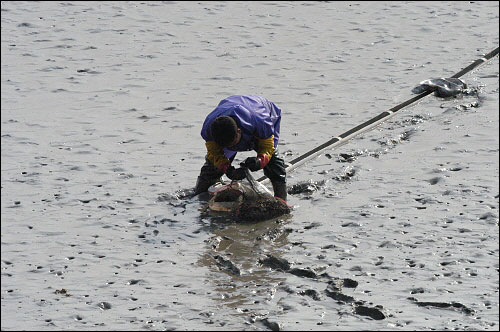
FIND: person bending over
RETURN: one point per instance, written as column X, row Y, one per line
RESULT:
column 242, row 123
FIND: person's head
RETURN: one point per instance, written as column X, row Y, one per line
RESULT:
column 225, row 131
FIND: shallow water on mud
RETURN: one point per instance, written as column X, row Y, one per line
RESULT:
column 102, row 105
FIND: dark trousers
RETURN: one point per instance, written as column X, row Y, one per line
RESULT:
column 275, row 170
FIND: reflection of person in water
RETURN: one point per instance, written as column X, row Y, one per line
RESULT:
column 235, row 276
column 242, row 123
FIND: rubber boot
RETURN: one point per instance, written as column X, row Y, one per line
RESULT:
column 202, row 185
column 279, row 189
column 209, row 175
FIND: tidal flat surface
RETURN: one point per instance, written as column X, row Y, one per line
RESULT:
column 101, row 112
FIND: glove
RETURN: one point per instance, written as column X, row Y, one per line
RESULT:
column 252, row 163
column 235, row 173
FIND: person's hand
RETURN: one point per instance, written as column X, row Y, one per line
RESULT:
column 252, row 163
column 235, row 173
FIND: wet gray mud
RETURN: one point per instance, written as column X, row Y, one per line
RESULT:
column 102, row 105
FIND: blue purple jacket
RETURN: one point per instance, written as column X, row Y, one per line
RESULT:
column 259, row 120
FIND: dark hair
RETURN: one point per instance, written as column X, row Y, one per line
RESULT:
column 224, row 130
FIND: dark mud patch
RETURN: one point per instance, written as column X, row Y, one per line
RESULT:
column 374, row 313
column 63, row 292
column 273, row 326
column 467, row 106
column 274, row 234
column 413, row 120
column 307, row 187
column 307, row 273
column 275, row 263
column 444, row 305
column 283, row 265
column 346, row 158
column 181, row 194
column 104, row 306
column 312, row 294
column 353, row 156
column 227, row 265
column 403, row 137
column 333, row 289
column 435, row 180
column 348, row 175
column 349, row 283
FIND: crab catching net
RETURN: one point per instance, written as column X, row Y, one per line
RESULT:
column 247, row 201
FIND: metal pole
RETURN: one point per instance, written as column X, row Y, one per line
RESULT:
column 370, row 124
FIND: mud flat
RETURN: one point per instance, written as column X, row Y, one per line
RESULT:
column 102, row 105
